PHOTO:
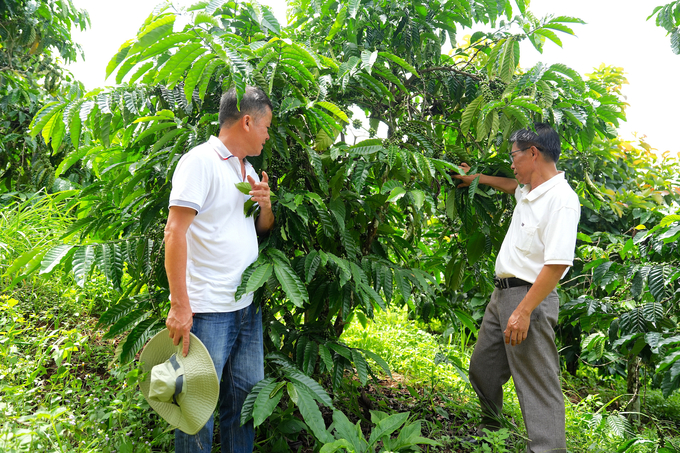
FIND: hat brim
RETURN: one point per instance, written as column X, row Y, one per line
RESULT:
column 199, row 400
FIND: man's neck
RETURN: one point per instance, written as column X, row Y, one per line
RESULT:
column 543, row 174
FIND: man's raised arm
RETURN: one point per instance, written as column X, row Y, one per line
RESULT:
column 507, row 185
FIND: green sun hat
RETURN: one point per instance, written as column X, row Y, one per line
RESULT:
column 182, row 390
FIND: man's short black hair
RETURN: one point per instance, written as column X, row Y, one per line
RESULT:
column 544, row 138
column 254, row 103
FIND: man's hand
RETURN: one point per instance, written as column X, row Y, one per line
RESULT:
column 179, row 324
column 465, row 180
column 260, row 192
column 517, row 328
column 179, row 318
column 506, row 185
column 518, row 324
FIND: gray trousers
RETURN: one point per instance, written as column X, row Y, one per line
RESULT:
column 533, row 365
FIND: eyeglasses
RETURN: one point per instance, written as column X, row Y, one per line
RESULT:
column 512, row 157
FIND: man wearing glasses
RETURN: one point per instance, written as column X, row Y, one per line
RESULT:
column 517, row 335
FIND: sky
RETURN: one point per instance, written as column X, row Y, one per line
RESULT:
column 617, row 33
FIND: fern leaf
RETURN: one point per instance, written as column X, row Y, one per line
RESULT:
column 314, row 388
column 312, row 415
column 249, row 403
column 139, row 336
column 265, row 404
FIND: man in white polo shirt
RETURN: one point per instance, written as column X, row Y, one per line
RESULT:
column 517, row 335
column 209, row 242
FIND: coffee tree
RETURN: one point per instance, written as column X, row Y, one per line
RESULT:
column 360, row 225
column 668, row 17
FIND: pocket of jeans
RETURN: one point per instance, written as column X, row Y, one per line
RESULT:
column 526, row 238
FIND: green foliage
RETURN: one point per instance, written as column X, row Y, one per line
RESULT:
column 624, row 283
column 360, row 225
column 57, row 391
column 668, row 17
column 35, row 40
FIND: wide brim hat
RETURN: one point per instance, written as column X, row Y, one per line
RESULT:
column 196, row 377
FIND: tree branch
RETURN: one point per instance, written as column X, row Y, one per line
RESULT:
column 452, row 69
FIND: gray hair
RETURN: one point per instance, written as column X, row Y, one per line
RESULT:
column 542, row 136
column 254, row 102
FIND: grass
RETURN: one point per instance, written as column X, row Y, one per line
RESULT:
column 59, row 391
column 594, row 423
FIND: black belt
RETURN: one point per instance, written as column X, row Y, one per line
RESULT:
column 505, row 283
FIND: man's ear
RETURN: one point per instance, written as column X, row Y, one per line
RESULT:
column 246, row 122
column 535, row 153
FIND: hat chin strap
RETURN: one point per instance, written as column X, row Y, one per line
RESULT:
column 179, row 381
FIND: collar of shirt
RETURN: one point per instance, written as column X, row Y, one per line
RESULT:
column 226, row 155
column 543, row 188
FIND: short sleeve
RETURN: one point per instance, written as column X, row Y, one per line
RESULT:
column 559, row 236
column 191, row 182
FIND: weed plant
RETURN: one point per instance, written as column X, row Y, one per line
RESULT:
column 594, row 422
column 60, row 388
column 59, row 394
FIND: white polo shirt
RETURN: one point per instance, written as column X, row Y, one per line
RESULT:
column 542, row 230
column 221, row 240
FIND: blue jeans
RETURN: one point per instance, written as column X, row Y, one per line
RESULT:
column 234, row 341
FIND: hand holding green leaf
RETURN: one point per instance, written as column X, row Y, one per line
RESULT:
column 259, row 193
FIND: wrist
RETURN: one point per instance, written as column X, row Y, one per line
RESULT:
column 523, row 310
column 180, row 304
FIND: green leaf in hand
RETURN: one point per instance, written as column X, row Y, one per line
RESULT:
column 244, row 187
